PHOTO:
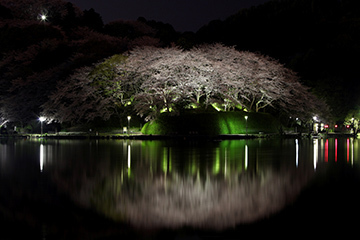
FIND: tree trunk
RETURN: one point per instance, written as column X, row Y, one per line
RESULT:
column 252, row 103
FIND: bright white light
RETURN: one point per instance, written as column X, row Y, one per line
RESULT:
column 41, row 119
column 43, row 15
column 246, row 117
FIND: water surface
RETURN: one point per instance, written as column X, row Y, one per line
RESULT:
column 168, row 184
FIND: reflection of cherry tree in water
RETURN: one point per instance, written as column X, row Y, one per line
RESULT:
column 150, row 195
column 216, row 203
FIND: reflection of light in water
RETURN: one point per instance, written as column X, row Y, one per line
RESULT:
column 216, row 167
column 225, row 162
column 41, row 157
column 316, row 149
column 297, row 152
column 166, row 160
column 347, row 149
column 3, row 152
column 246, row 157
column 352, row 151
column 152, row 198
column 336, row 148
column 129, row 155
column 129, row 158
column 326, row 158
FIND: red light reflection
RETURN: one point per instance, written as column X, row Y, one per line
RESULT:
column 336, row 149
column 327, row 150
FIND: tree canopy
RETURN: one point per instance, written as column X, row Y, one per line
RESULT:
column 154, row 80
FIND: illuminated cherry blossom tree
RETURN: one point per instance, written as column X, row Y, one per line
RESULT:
column 170, row 79
column 154, row 80
column 215, row 74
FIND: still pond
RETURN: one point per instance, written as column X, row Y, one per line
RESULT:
column 95, row 189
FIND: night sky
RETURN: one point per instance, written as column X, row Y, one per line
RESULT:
column 183, row 15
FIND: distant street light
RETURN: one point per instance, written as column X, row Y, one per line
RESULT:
column 246, row 118
column 42, row 119
column 42, row 17
column 129, row 118
column 315, row 124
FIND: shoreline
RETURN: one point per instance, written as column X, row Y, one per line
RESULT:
column 139, row 136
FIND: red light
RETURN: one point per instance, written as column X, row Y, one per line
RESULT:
column 326, row 126
column 347, row 126
column 336, row 126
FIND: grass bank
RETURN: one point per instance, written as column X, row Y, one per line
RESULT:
column 212, row 123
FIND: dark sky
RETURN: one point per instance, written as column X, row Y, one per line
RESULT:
column 184, row 15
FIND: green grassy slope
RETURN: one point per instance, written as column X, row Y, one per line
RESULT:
column 212, row 123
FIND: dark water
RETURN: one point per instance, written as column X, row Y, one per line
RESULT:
column 79, row 189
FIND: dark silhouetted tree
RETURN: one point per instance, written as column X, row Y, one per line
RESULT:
column 92, row 20
column 88, row 94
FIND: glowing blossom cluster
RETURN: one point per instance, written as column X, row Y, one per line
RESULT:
column 155, row 80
